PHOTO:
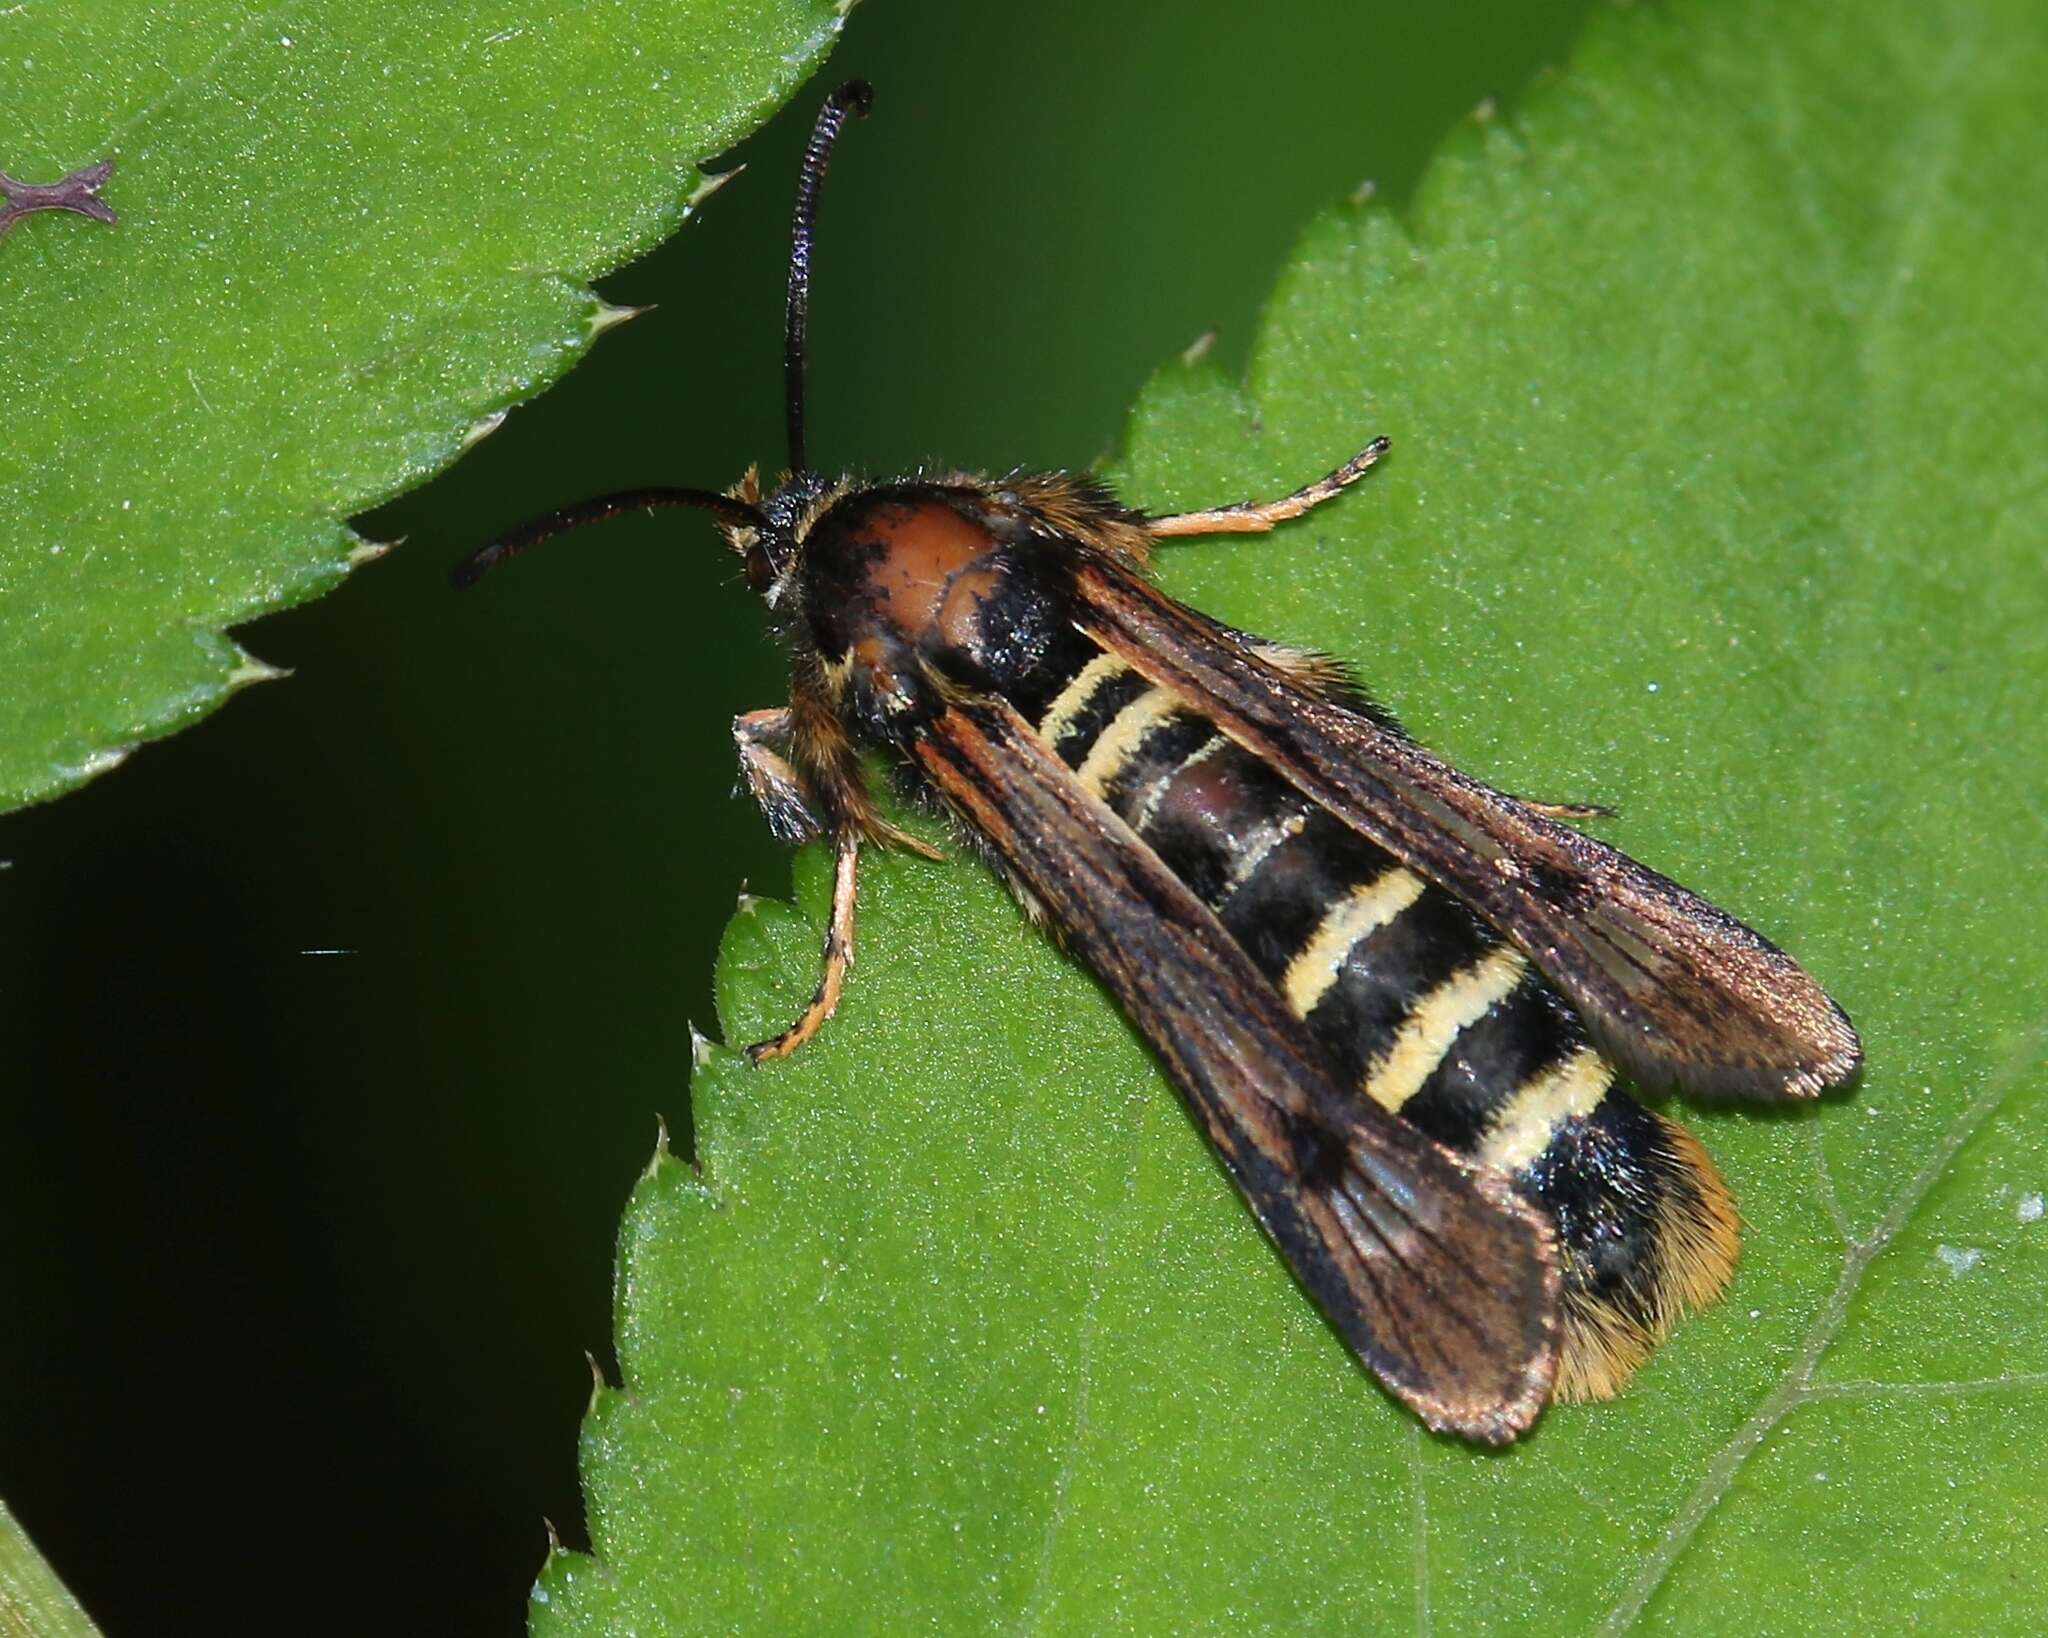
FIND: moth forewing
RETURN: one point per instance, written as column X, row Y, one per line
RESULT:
column 1441, row 1276
column 1679, row 993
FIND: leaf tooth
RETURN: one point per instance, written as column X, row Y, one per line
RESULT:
column 708, row 183
column 606, row 315
column 480, row 429
column 250, row 670
column 368, row 551
column 661, row 1153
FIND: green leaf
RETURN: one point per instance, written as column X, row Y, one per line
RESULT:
column 1717, row 496
column 351, row 234
column 33, row 1602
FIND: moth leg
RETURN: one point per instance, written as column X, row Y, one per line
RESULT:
column 772, row 780
column 793, row 800
column 1256, row 517
column 880, row 830
column 838, row 955
column 1569, row 810
column 772, row 724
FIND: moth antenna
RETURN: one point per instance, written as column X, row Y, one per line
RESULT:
column 595, row 510
column 854, row 97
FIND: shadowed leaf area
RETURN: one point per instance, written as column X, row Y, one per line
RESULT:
column 1717, row 496
column 350, row 232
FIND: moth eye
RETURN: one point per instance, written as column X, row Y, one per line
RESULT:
column 760, row 567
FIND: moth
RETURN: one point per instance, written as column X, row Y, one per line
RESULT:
column 1399, row 1002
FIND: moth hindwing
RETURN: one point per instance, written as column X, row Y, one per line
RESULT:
column 1396, row 1000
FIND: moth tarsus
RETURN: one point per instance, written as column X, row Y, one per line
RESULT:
column 1253, row 517
column 837, row 957
column 1398, row 1001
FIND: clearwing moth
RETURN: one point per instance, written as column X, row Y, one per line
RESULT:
column 1397, row 1000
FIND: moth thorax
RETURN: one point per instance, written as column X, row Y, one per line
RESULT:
column 888, row 562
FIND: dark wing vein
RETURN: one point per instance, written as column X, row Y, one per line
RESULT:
column 1680, row 994
column 1441, row 1276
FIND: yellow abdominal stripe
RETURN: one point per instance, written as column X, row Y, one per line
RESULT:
column 1427, row 1032
column 1522, row 1130
column 1075, row 696
column 1125, row 733
column 1364, row 910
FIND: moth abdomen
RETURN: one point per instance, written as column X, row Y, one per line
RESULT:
column 1416, row 1002
column 1647, row 1229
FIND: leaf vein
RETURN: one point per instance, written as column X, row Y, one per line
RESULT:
column 237, row 38
column 1795, row 1387
column 1830, row 1195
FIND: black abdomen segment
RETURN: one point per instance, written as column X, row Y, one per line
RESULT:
column 1420, row 1004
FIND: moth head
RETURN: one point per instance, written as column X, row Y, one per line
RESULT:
column 770, row 548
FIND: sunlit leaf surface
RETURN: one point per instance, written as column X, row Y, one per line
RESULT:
column 351, row 232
